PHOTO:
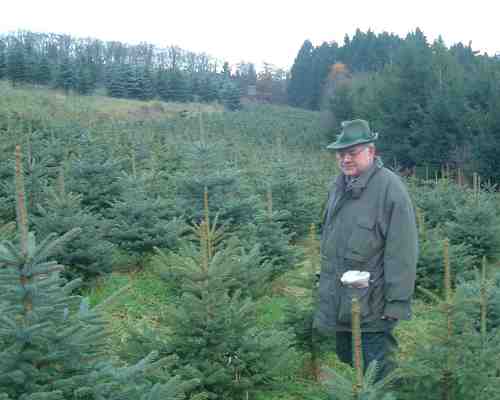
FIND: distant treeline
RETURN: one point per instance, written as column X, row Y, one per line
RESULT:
column 433, row 105
column 142, row 71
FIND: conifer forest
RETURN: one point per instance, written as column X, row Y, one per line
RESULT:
column 160, row 216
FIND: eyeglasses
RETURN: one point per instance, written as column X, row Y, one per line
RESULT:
column 351, row 152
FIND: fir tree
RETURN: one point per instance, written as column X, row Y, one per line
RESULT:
column 84, row 83
column 299, row 313
column 66, row 77
column 195, row 88
column 323, row 58
column 142, row 221
column 228, row 199
column 131, row 78
column 147, row 90
column 43, row 74
column 437, row 366
column 300, row 87
column 476, row 223
column 94, row 174
column 438, row 200
column 288, row 195
column 88, row 255
column 230, row 96
column 115, row 85
column 341, row 103
column 36, row 166
column 225, row 189
column 430, row 261
column 226, row 70
column 273, row 239
column 250, row 272
column 488, row 289
column 3, row 59
column 16, row 69
column 208, row 89
column 360, row 386
column 213, row 325
column 177, row 87
column 161, row 83
column 52, row 345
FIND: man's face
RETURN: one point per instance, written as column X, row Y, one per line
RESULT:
column 354, row 160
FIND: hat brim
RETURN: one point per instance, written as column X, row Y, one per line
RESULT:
column 339, row 146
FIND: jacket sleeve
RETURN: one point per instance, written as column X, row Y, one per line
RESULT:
column 326, row 206
column 400, row 254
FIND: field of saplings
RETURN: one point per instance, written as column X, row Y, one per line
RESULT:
column 165, row 251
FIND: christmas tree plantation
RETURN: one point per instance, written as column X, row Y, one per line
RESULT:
column 212, row 327
column 51, row 343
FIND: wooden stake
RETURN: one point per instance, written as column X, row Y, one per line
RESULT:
column 207, row 224
column 22, row 226
column 22, row 214
column 269, row 202
column 475, row 184
column 134, row 168
column 484, row 300
column 61, row 185
column 202, row 130
column 478, row 193
column 357, row 354
column 312, row 250
column 447, row 274
column 449, row 320
column 420, row 222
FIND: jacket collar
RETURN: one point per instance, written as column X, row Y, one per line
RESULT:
column 362, row 181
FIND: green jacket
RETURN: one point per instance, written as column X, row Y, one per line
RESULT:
column 368, row 226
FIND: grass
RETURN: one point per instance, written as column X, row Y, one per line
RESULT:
column 142, row 302
column 295, row 390
column 40, row 103
column 417, row 329
column 148, row 296
column 270, row 311
column 147, row 291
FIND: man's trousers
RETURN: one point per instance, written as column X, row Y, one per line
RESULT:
column 379, row 346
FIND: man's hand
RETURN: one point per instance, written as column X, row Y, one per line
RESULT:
column 359, row 285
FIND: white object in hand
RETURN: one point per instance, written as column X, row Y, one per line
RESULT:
column 358, row 279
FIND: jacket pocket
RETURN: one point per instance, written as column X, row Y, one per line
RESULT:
column 363, row 242
column 344, row 315
column 376, row 298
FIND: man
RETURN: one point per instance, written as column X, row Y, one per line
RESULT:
column 369, row 225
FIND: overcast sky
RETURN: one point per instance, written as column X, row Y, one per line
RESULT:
column 255, row 30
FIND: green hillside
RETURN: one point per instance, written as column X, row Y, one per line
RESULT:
column 191, row 213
